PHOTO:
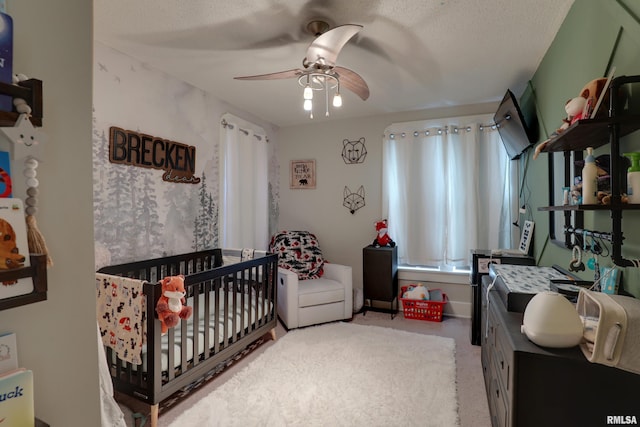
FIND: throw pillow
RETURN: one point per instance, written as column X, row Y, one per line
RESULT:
column 299, row 252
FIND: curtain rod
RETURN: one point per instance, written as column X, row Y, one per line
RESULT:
column 446, row 130
column 226, row 124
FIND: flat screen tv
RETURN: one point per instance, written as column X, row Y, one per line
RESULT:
column 516, row 135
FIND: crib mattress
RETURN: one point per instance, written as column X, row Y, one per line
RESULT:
column 243, row 316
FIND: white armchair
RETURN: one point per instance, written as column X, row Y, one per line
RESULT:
column 309, row 301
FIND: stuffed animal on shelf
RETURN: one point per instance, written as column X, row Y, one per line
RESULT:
column 170, row 307
column 580, row 107
column 382, row 239
column 575, row 111
column 416, row 291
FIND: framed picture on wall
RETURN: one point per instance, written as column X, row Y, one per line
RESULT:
column 303, row 174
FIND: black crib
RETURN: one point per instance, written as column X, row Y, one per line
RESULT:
column 244, row 293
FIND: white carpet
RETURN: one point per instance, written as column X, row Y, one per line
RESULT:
column 339, row 374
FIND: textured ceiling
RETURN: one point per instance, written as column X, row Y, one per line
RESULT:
column 414, row 54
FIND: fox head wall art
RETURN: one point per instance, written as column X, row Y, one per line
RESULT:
column 353, row 201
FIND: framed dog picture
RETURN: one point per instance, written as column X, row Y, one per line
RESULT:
column 303, row 174
column 14, row 251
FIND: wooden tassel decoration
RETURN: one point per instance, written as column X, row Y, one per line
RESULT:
column 35, row 239
column 19, row 134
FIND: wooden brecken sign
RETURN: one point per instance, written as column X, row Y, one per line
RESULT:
column 138, row 149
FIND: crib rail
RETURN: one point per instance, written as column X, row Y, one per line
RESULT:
column 233, row 305
column 155, row 269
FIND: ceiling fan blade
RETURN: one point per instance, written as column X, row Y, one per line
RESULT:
column 289, row 74
column 326, row 47
column 352, row 81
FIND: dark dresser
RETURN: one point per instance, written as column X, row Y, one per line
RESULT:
column 529, row 385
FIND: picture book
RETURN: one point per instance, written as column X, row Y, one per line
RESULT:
column 603, row 94
column 6, row 58
column 16, row 398
column 5, row 175
column 14, row 250
column 8, row 352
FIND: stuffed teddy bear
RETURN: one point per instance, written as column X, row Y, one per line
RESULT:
column 382, row 239
column 416, row 291
column 170, row 306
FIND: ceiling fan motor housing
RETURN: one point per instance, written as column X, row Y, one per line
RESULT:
column 317, row 27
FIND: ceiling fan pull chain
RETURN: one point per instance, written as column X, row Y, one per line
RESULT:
column 326, row 98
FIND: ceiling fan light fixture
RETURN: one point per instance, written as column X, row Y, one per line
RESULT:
column 319, row 71
column 307, row 105
column 337, row 100
column 308, row 92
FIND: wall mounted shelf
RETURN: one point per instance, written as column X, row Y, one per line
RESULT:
column 38, row 272
column 591, row 133
column 31, row 91
column 596, row 133
column 621, row 207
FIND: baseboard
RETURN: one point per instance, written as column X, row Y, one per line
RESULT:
column 458, row 309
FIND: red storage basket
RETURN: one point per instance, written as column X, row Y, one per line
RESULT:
column 423, row 309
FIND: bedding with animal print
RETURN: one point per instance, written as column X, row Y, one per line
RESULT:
column 299, row 252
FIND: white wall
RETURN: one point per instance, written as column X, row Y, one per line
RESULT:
column 57, row 337
column 341, row 234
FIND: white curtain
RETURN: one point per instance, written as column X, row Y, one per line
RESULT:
column 448, row 188
column 244, row 185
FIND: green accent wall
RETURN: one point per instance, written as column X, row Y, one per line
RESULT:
column 594, row 37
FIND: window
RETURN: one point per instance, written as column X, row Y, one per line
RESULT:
column 448, row 188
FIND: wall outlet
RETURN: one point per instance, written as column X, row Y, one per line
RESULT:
column 483, row 264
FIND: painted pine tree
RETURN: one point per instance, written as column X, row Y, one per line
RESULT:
column 100, row 167
column 129, row 237
column 179, row 201
column 116, row 206
column 203, row 223
column 147, row 218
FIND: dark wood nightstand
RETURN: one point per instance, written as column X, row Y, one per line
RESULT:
column 380, row 277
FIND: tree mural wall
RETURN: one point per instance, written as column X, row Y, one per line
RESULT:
column 205, row 227
column 137, row 215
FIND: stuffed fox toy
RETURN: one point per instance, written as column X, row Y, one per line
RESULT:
column 382, row 239
column 170, row 307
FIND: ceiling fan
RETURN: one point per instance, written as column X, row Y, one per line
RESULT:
column 319, row 70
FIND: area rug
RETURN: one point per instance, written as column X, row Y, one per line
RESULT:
column 339, row 374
